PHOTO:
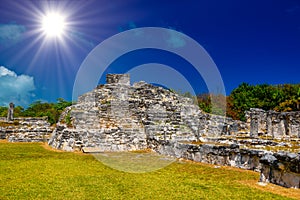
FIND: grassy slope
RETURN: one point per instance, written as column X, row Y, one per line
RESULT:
column 29, row 171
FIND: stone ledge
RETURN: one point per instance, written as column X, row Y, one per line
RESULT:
column 280, row 168
column 92, row 150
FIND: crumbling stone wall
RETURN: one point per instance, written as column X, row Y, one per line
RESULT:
column 281, row 168
column 117, row 117
column 216, row 126
column 273, row 124
column 30, row 129
column 123, row 79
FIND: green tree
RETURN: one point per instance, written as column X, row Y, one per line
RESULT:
column 18, row 111
column 62, row 104
column 51, row 110
column 241, row 99
column 204, row 102
column 268, row 97
column 3, row 111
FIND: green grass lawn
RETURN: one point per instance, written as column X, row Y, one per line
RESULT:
column 30, row 171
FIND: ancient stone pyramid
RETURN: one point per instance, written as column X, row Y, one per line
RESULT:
column 117, row 117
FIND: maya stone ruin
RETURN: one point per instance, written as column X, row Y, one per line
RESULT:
column 10, row 112
column 120, row 117
column 24, row 129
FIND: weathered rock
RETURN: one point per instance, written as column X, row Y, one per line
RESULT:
column 30, row 129
column 119, row 117
column 274, row 124
column 140, row 111
column 281, row 168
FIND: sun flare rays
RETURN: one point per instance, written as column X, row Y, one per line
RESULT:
column 53, row 25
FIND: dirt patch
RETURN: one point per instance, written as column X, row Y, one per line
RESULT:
column 275, row 189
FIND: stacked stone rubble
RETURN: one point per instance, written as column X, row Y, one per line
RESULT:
column 29, row 129
column 281, row 168
column 273, row 124
column 116, row 116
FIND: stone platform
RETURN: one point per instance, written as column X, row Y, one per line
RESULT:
column 25, row 129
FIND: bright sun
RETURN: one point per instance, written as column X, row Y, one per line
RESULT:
column 53, row 25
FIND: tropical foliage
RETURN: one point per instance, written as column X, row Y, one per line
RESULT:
column 284, row 97
column 40, row 109
column 268, row 97
column 212, row 103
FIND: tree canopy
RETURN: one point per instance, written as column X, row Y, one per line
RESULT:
column 40, row 109
column 284, row 97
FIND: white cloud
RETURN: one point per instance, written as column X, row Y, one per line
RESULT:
column 10, row 33
column 6, row 72
column 15, row 88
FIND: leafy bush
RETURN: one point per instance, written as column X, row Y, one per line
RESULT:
column 40, row 109
column 268, row 97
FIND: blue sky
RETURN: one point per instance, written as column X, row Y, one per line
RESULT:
column 255, row 41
